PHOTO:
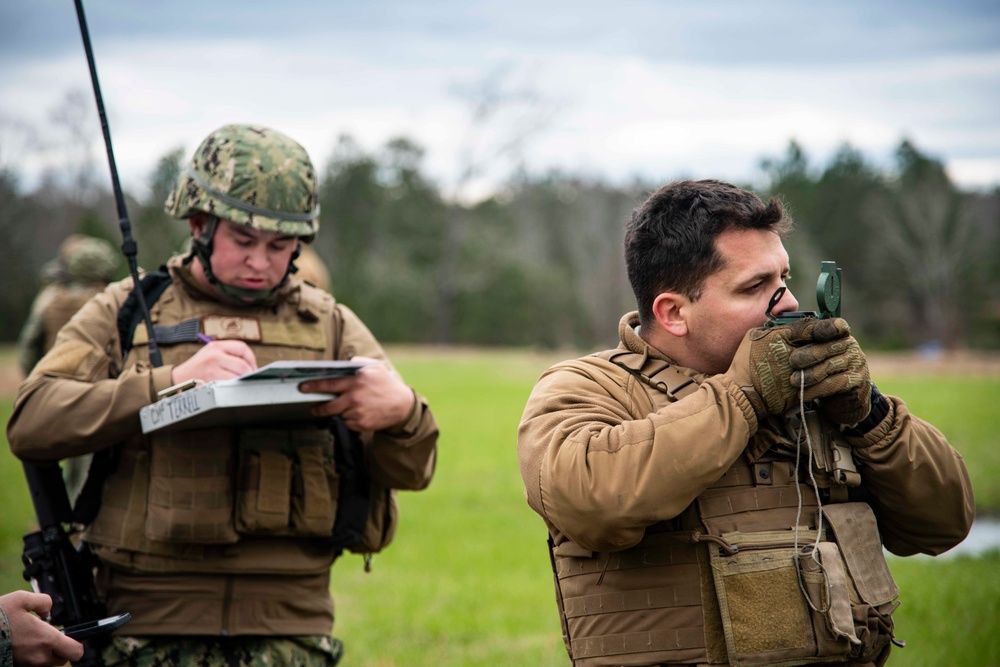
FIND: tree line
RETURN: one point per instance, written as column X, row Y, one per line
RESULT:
column 539, row 263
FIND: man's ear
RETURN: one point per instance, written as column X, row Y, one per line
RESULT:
column 669, row 309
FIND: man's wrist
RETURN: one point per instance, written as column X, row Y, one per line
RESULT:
column 879, row 409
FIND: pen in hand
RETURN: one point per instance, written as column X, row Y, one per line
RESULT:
column 205, row 338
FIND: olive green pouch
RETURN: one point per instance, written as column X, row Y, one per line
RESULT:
column 766, row 617
column 873, row 590
column 314, row 504
column 287, row 483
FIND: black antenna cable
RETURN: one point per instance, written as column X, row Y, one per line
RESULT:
column 129, row 247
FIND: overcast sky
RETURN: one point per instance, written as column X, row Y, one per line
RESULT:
column 618, row 89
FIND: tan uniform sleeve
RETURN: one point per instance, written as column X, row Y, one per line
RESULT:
column 73, row 403
column 600, row 471
column 918, row 483
column 404, row 456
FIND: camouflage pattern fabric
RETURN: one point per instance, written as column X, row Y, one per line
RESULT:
column 304, row 651
column 92, row 260
column 6, row 647
column 250, row 175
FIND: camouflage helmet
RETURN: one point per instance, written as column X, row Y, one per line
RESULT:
column 91, row 260
column 67, row 247
column 253, row 176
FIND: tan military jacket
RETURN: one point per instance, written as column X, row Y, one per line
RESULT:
column 606, row 454
column 78, row 400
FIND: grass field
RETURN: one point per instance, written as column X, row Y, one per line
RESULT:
column 468, row 582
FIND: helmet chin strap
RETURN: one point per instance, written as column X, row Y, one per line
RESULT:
column 202, row 247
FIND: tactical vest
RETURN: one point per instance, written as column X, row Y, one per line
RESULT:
column 759, row 570
column 63, row 305
column 210, row 500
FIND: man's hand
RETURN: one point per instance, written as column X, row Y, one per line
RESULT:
column 218, row 360
column 762, row 366
column 373, row 400
column 35, row 642
column 832, row 368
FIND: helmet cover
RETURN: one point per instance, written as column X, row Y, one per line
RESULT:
column 253, row 176
column 91, row 260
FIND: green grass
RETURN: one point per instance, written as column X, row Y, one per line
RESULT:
column 17, row 514
column 966, row 410
column 467, row 581
column 950, row 610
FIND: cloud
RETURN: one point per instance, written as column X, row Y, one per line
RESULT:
column 640, row 88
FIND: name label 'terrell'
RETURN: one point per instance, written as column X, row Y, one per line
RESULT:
column 177, row 407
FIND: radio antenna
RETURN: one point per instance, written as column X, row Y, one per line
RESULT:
column 129, row 247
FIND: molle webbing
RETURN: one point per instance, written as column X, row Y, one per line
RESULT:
column 663, row 583
column 639, row 642
column 753, row 500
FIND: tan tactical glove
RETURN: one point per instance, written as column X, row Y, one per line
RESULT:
column 762, row 367
column 833, row 369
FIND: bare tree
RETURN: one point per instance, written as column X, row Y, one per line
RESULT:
column 503, row 115
column 926, row 242
column 76, row 129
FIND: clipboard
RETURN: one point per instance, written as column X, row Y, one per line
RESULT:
column 267, row 395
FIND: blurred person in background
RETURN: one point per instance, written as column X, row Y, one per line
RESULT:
column 82, row 269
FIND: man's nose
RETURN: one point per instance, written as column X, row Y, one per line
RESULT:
column 788, row 302
column 257, row 258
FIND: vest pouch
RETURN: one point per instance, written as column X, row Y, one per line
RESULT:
column 190, row 488
column 263, row 497
column 766, row 618
column 383, row 516
column 287, row 483
column 873, row 590
column 314, row 497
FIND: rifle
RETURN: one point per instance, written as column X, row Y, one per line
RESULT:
column 52, row 563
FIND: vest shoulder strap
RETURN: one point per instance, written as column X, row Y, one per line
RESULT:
column 152, row 285
column 657, row 373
